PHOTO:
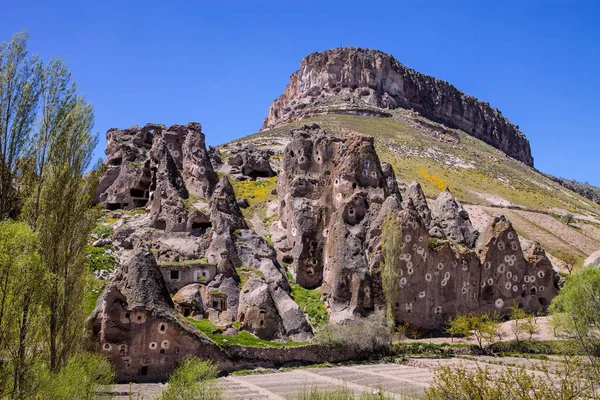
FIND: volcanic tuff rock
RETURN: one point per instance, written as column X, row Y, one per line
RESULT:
column 194, row 226
column 364, row 82
column 136, row 327
column 334, row 198
column 250, row 161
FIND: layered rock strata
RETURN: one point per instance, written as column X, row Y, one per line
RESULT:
column 366, row 82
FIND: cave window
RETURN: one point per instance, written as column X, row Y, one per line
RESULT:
column 160, row 224
column 179, row 220
column 163, row 327
column 542, row 301
column 201, row 225
column 533, row 291
column 136, row 192
column 186, row 311
column 262, row 323
column 144, row 371
column 116, row 161
column 242, row 317
column 139, row 318
column 215, row 304
column 114, row 206
column 174, row 275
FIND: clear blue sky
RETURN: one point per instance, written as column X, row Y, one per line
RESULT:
column 222, row 63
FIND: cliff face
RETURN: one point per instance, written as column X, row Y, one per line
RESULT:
column 365, row 82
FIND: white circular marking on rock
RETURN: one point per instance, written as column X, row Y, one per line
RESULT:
column 501, row 268
column 422, row 294
column 508, row 274
column 541, row 274
column 428, row 277
column 541, row 288
column 490, row 281
column 507, row 285
column 440, row 266
column 447, row 275
column 499, row 303
column 488, row 265
column 515, row 288
column 407, row 238
column 164, row 344
column 153, row 345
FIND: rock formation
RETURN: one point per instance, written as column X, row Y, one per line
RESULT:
column 366, row 82
column 250, row 161
column 331, row 190
column 194, row 226
column 334, row 197
column 136, row 327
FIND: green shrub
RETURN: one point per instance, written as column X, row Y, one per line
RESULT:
column 80, row 379
column 442, row 350
column 193, row 379
column 567, row 381
column 366, row 335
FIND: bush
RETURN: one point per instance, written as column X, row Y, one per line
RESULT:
column 371, row 334
column 569, row 381
column 79, row 379
column 194, row 379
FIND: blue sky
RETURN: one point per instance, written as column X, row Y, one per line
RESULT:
column 222, row 63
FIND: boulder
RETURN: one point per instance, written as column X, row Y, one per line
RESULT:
column 593, row 259
column 188, row 300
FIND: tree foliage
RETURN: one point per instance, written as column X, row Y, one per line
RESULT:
column 45, row 149
column 390, row 268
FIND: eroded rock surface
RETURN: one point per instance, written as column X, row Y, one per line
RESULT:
column 250, row 161
column 366, row 82
column 334, row 199
column 135, row 324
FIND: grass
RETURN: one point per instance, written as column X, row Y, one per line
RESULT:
column 95, row 290
column 310, row 303
column 245, row 272
column 97, row 259
column 258, row 194
column 191, row 200
column 102, row 230
column 243, row 338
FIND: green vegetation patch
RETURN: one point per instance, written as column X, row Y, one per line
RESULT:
column 243, row 338
column 200, row 261
column 245, row 272
column 97, row 259
column 94, row 291
column 309, row 301
column 258, row 193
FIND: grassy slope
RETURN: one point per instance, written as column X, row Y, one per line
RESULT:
column 474, row 171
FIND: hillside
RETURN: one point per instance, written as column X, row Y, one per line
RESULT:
column 482, row 177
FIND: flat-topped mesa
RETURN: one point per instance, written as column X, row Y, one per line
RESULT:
column 365, row 82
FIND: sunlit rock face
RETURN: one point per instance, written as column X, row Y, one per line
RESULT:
column 334, row 199
column 367, row 82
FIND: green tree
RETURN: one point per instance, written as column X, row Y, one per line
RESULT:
column 65, row 221
column 20, row 83
column 390, row 268
column 22, row 293
column 576, row 312
column 459, row 326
